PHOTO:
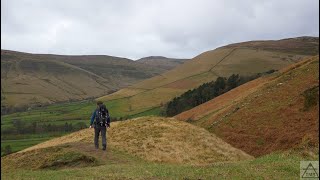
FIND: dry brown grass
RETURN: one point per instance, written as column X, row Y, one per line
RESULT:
column 169, row 140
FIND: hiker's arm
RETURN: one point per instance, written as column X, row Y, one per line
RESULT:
column 108, row 118
column 92, row 118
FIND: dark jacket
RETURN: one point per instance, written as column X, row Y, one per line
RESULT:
column 95, row 114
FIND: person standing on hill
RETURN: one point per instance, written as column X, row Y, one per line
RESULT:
column 101, row 120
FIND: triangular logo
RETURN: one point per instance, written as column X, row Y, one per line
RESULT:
column 310, row 172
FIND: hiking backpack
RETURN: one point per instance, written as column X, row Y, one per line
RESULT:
column 102, row 115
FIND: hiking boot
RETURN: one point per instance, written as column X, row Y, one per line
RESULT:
column 104, row 147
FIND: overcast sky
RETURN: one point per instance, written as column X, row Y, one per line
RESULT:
column 139, row 28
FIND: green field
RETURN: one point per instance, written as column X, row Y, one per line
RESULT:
column 153, row 111
column 73, row 113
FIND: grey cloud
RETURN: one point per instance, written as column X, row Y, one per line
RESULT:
column 138, row 28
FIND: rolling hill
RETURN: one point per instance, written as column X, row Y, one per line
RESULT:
column 239, row 58
column 37, row 79
column 273, row 113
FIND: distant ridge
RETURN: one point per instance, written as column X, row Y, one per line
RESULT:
column 36, row 79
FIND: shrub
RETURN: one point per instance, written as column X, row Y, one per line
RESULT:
column 311, row 97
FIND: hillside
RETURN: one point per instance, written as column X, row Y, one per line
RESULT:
column 272, row 113
column 162, row 62
column 206, row 67
column 35, row 79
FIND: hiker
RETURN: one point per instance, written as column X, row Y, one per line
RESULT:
column 101, row 120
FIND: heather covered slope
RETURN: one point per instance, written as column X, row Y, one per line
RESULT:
column 272, row 113
column 157, row 91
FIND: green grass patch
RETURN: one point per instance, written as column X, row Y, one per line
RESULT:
column 156, row 111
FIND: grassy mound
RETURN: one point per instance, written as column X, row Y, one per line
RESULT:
column 158, row 140
column 168, row 140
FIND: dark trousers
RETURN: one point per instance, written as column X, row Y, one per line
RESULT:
column 97, row 130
